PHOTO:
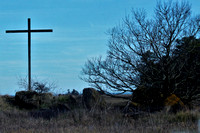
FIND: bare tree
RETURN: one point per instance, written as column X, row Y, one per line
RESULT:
column 38, row 86
column 141, row 41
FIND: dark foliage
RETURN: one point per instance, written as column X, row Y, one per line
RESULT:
column 75, row 92
column 187, row 58
column 182, row 81
column 40, row 87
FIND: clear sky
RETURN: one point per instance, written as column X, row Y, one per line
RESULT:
column 79, row 34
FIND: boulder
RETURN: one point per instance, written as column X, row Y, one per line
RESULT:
column 92, row 99
column 45, row 99
column 173, row 104
column 32, row 99
column 27, row 99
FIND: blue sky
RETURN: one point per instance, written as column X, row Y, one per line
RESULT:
column 79, row 34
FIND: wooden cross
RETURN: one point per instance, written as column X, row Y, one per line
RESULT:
column 29, row 45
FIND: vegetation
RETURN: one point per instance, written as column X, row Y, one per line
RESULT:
column 157, row 60
column 13, row 119
column 151, row 58
column 67, row 113
column 73, row 92
column 38, row 86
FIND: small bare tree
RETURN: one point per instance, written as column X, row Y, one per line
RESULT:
column 38, row 86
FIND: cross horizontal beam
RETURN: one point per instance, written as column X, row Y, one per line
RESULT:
column 24, row 31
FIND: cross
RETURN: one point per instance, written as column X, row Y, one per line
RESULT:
column 29, row 45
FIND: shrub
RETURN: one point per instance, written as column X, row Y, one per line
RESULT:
column 40, row 87
column 75, row 92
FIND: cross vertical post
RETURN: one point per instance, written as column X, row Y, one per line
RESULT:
column 29, row 45
column 29, row 54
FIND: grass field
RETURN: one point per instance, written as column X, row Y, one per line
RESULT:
column 14, row 120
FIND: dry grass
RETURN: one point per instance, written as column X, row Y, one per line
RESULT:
column 96, row 121
column 13, row 120
column 4, row 105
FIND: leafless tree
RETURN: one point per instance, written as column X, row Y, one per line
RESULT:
column 38, row 86
column 140, row 40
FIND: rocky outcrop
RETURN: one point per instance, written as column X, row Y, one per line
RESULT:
column 32, row 99
column 27, row 99
column 92, row 99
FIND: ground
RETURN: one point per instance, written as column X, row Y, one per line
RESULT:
column 110, row 119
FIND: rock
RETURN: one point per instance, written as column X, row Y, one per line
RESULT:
column 32, row 99
column 173, row 104
column 92, row 99
column 45, row 99
column 27, row 99
column 67, row 98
